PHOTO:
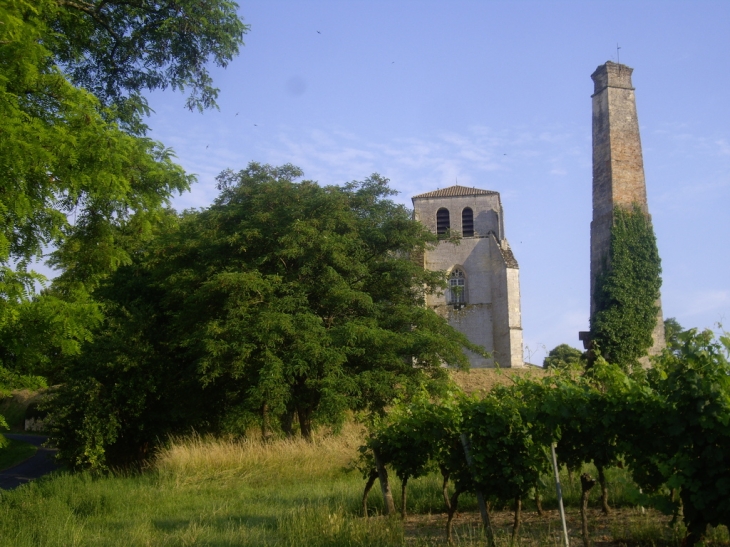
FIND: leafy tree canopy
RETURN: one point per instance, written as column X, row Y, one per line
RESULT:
column 672, row 330
column 283, row 299
column 118, row 49
column 74, row 176
column 563, row 356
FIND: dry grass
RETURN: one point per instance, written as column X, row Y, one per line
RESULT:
column 196, row 459
column 482, row 380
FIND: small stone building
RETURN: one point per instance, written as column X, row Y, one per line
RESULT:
column 483, row 296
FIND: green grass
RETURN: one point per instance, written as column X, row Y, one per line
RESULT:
column 284, row 493
column 150, row 510
column 15, row 452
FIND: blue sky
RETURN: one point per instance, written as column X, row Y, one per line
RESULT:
column 495, row 95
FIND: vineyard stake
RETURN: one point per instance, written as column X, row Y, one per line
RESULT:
column 559, row 491
column 480, row 497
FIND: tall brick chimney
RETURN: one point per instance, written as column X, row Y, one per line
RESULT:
column 618, row 167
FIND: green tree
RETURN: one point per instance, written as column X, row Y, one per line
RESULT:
column 563, row 356
column 627, row 290
column 672, row 330
column 75, row 176
column 284, row 299
column 118, row 49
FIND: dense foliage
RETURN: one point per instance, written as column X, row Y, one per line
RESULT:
column 506, row 445
column 627, row 290
column 670, row 426
column 282, row 300
column 10, row 381
column 563, row 356
column 685, row 439
column 76, row 177
column 118, row 49
column 672, row 330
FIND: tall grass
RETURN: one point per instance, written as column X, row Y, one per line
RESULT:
column 199, row 491
column 195, row 459
column 208, row 492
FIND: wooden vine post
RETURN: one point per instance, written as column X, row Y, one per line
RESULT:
column 559, row 492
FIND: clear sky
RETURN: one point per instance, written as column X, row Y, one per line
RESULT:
column 495, row 95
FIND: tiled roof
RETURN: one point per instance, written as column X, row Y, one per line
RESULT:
column 455, row 191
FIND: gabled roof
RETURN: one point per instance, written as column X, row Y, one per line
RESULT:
column 456, row 191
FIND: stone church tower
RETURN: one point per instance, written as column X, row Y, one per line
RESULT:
column 618, row 169
column 483, row 297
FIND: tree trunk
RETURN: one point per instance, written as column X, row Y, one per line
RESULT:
column 287, row 422
column 586, row 483
column 388, row 505
column 677, row 513
column 445, row 488
column 538, row 503
column 604, row 490
column 305, row 422
column 696, row 524
column 518, row 520
column 368, row 486
column 453, row 504
column 403, row 494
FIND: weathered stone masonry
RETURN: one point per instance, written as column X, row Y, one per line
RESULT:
column 483, row 301
column 618, row 167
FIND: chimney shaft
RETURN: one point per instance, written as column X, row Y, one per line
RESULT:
column 618, row 166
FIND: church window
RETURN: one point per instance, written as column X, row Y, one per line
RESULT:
column 457, row 287
column 442, row 221
column 467, row 222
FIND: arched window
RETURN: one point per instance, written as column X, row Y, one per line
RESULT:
column 467, row 222
column 442, row 221
column 457, row 287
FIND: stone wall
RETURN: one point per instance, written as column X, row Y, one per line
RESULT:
column 473, row 255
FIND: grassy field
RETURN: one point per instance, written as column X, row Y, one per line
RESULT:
column 283, row 493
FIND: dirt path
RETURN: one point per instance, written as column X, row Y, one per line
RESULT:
column 624, row 526
column 36, row 466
